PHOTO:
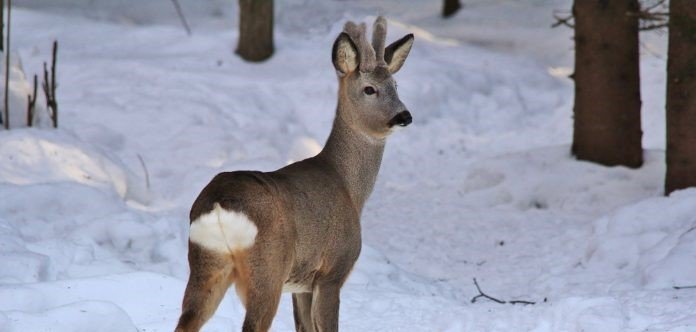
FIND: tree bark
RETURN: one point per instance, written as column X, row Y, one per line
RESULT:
column 607, row 127
column 255, row 30
column 681, row 96
column 450, row 7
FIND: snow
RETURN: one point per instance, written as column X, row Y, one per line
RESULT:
column 636, row 239
column 481, row 185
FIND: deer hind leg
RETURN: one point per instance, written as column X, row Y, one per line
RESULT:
column 262, row 279
column 211, row 275
column 302, row 310
column 325, row 303
column 262, row 298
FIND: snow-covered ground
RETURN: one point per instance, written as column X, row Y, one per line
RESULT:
column 480, row 186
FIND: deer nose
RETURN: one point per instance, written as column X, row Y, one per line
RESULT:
column 402, row 119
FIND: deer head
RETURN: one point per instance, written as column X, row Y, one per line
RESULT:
column 368, row 100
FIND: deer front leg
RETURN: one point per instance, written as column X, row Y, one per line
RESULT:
column 302, row 310
column 325, row 303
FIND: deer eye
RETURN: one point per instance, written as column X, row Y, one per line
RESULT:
column 369, row 90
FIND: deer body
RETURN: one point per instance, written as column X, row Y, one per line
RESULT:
column 297, row 229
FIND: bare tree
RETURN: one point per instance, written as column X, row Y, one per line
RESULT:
column 255, row 30
column 607, row 126
column 681, row 96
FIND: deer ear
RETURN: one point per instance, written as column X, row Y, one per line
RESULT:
column 396, row 53
column 344, row 54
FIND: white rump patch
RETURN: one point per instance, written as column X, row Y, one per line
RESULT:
column 223, row 231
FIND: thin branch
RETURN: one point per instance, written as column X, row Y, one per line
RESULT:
column 645, row 15
column 655, row 5
column 651, row 18
column 683, row 287
column 181, row 16
column 656, row 16
column 653, row 27
column 563, row 20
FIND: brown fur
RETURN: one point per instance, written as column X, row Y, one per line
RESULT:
column 307, row 213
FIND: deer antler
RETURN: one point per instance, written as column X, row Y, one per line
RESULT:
column 379, row 35
column 371, row 56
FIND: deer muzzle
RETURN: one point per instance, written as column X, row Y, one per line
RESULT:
column 402, row 119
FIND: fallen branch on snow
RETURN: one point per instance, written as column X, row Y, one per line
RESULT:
column 683, row 287
column 484, row 295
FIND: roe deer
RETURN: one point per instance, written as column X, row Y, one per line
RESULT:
column 297, row 229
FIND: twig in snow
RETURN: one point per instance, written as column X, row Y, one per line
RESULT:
column 181, row 16
column 147, row 174
column 484, row 295
column 31, row 104
column 683, row 287
column 49, row 87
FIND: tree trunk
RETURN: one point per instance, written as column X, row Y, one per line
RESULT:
column 681, row 96
column 450, row 8
column 2, row 25
column 7, row 66
column 255, row 30
column 607, row 83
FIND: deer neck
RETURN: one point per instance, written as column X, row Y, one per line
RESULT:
column 355, row 156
